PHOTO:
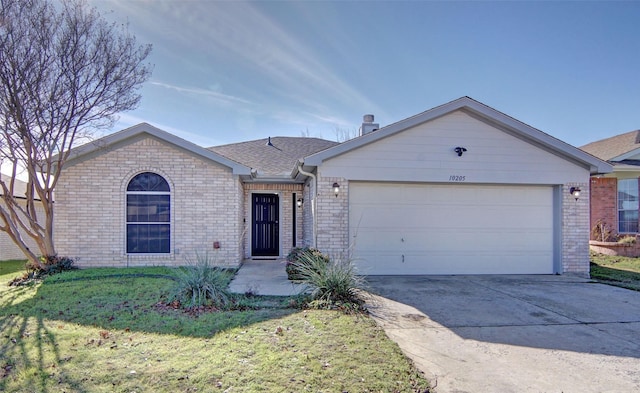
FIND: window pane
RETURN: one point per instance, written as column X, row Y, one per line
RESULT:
column 148, row 181
column 628, row 221
column 628, row 205
column 148, row 208
column 148, row 214
column 148, row 238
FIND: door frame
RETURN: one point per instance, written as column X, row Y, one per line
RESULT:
column 251, row 222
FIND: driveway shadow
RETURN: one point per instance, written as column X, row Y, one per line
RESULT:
column 548, row 312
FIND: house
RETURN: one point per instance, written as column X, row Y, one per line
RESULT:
column 8, row 249
column 459, row 189
column 614, row 196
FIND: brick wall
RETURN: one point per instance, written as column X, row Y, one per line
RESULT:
column 575, row 230
column 333, row 217
column 206, row 206
column 287, row 205
column 604, row 195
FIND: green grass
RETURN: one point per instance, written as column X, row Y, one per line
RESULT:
column 616, row 270
column 100, row 330
column 14, row 267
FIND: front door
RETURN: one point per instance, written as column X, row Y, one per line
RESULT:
column 266, row 232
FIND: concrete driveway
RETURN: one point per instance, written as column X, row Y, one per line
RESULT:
column 513, row 333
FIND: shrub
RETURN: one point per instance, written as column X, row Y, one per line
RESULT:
column 299, row 256
column 50, row 265
column 601, row 231
column 628, row 239
column 333, row 283
column 201, row 284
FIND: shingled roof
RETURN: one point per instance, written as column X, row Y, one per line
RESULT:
column 273, row 156
column 615, row 146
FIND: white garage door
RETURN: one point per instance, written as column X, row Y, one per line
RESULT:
column 451, row 229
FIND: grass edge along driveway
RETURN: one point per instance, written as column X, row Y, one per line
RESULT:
column 616, row 270
column 99, row 330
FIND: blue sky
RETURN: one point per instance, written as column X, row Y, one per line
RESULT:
column 232, row 71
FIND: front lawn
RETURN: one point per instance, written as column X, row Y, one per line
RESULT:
column 616, row 270
column 102, row 330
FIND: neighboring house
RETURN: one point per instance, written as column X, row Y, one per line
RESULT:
column 458, row 189
column 8, row 249
column 614, row 196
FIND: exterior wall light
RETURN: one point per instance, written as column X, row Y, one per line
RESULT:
column 575, row 191
column 459, row 150
column 299, row 202
column 336, row 189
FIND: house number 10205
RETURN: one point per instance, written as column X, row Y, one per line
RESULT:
column 457, row 178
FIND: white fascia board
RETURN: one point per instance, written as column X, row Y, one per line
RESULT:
column 626, row 168
column 145, row 128
column 485, row 113
column 626, row 155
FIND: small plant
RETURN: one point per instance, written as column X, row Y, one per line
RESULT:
column 49, row 265
column 297, row 257
column 602, row 232
column 627, row 240
column 201, row 284
column 333, row 283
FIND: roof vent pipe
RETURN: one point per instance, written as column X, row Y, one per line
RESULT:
column 368, row 125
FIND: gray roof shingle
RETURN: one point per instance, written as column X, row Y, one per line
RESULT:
column 279, row 158
column 608, row 148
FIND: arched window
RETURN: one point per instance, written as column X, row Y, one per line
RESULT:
column 148, row 214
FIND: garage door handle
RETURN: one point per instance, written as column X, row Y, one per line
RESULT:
column 403, row 258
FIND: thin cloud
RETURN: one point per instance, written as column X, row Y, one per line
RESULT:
column 242, row 35
column 332, row 119
column 128, row 120
column 204, row 92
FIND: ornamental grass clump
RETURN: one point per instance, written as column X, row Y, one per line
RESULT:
column 295, row 260
column 333, row 283
column 201, row 284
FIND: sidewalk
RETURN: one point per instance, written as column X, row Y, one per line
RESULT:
column 264, row 277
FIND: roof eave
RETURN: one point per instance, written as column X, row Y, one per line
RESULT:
column 476, row 109
column 627, row 155
column 145, row 128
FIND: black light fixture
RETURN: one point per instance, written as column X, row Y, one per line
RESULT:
column 575, row 191
column 460, row 150
column 336, row 189
column 299, row 202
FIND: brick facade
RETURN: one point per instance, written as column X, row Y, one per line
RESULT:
column 333, row 217
column 604, row 195
column 575, row 230
column 206, row 206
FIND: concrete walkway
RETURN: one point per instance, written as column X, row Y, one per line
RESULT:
column 264, row 277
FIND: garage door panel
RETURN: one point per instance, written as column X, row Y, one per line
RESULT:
column 452, row 229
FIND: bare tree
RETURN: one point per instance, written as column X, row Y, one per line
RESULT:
column 344, row 134
column 65, row 73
